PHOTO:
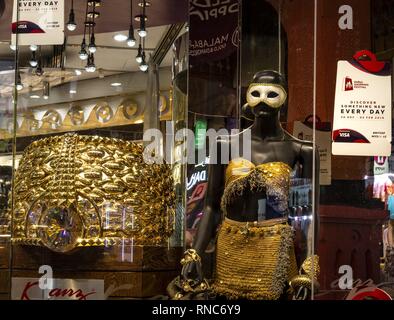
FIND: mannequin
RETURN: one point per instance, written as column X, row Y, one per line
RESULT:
column 252, row 195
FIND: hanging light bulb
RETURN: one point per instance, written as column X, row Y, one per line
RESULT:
column 71, row 25
column 39, row 70
column 46, row 90
column 19, row 84
column 92, row 44
column 90, row 67
column 33, row 47
column 33, row 61
column 131, row 38
column 142, row 31
column 138, row 58
column 143, row 65
column 83, row 55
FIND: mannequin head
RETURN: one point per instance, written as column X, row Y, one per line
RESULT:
column 266, row 94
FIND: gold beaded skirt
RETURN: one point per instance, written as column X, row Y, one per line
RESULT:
column 254, row 260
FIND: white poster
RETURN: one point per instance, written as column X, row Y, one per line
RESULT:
column 40, row 22
column 323, row 142
column 362, row 114
column 62, row 289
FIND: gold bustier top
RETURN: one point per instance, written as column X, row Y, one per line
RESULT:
column 75, row 190
column 271, row 177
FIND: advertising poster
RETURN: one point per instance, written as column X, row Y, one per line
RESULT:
column 215, row 29
column 39, row 22
column 362, row 114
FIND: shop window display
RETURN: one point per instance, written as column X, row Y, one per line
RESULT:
column 287, row 220
column 83, row 201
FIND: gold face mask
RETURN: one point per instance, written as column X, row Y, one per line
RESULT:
column 74, row 191
column 273, row 95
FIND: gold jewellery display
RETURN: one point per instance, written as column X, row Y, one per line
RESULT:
column 73, row 190
column 308, row 274
column 86, row 115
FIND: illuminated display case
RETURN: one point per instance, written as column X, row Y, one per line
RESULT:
column 85, row 206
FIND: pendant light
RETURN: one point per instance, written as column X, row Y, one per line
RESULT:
column 142, row 31
column 46, row 90
column 131, row 38
column 143, row 64
column 83, row 54
column 92, row 44
column 90, row 67
column 71, row 25
column 33, row 61
column 138, row 58
column 39, row 70
column 19, row 84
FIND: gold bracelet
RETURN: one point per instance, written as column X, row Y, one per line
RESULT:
column 190, row 256
column 308, row 274
column 74, row 191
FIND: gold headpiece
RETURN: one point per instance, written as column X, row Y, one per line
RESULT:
column 74, row 190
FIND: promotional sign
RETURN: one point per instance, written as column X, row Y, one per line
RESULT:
column 304, row 131
column 62, row 289
column 214, row 29
column 39, row 22
column 200, row 133
column 362, row 114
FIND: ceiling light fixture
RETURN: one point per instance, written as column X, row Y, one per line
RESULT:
column 19, row 84
column 12, row 47
column 33, row 95
column 143, row 65
column 71, row 25
column 120, row 37
column 142, row 31
column 78, row 72
column 46, row 90
column 39, row 70
column 116, row 84
column 73, row 91
column 83, row 54
column 33, row 47
column 138, row 58
column 131, row 38
column 92, row 44
column 90, row 67
column 33, row 61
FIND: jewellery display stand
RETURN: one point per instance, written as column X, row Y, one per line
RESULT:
column 91, row 208
column 147, row 276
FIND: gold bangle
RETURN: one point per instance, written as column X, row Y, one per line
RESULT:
column 308, row 274
column 73, row 190
column 190, row 256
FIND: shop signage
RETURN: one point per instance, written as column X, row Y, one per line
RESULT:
column 214, row 29
column 62, row 289
column 362, row 113
column 39, row 22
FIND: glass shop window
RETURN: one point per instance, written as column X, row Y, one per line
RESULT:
column 84, row 205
